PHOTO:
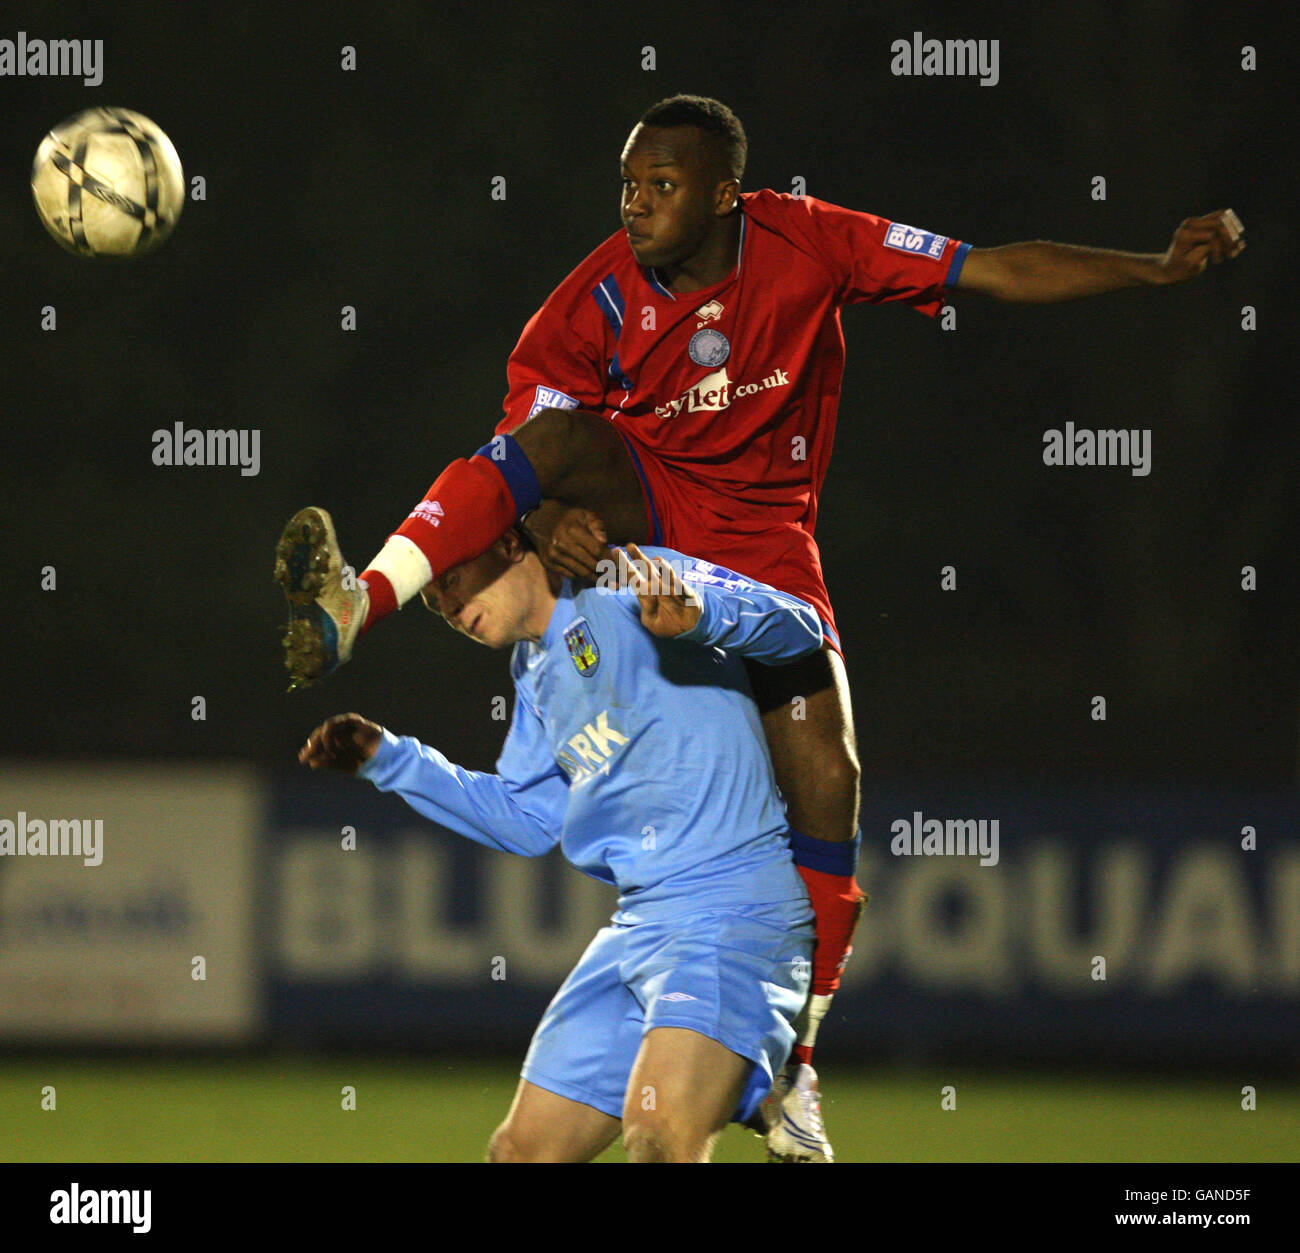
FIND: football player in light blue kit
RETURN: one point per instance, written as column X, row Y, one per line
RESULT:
column 636, row 746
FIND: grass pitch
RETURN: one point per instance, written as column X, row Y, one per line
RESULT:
column 444, row 1111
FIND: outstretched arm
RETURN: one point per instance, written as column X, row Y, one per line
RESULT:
column 520, row 809
column 1039, row 272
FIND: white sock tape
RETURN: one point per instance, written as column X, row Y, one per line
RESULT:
column 403, row 564
column 816, row 1011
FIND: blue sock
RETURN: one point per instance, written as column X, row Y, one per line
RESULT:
column 838, row 857
column 521, row 479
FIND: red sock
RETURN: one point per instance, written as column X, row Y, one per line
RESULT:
column 463, row 514
column 837, row 900
column 468, row 508
column 383, row 600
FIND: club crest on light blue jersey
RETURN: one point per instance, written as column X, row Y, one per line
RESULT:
column 582, row 646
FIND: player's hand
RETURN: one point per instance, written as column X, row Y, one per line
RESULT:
column 668, row 606
column 569, row 540
column 1203, row 241
column 342, row 742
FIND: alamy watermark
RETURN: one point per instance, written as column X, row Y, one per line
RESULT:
column 57, row 837
column 54, row 58
column 130, row 1207
column 663, row 576
column 1083, row 447
column 920, row 836
column 949, row 58
column 194, row 447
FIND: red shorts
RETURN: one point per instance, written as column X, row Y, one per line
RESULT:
column 700, row 523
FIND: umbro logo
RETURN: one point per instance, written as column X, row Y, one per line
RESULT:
column 679, row 996
column 429, row 510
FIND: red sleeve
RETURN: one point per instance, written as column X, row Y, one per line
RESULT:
column 552, row 367
column 872, row 259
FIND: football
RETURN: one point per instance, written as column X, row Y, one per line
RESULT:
column 108, row 183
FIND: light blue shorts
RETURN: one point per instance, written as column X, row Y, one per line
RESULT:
column 738, row 976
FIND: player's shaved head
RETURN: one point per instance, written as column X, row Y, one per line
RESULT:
column 679, row 147
column 680, row 171
column 721, row 136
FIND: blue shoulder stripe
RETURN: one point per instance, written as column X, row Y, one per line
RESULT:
column 609, row 300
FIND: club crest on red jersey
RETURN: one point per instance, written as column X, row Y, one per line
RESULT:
column 582, row 647
column 709, row 347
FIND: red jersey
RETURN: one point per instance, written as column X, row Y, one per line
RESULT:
column 727, row 396
column 736, row 386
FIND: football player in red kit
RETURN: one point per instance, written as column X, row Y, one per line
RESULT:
column 681, row 387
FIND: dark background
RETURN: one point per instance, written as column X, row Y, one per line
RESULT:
column 372, row 188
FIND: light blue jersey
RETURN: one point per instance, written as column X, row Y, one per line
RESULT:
column 644, row 758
